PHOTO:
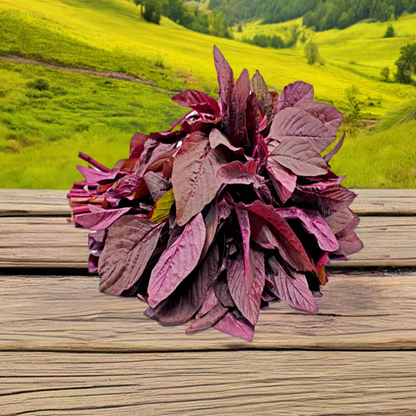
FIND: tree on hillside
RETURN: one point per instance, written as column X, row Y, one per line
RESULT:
column 352, row 95
column 389, row 32
column 385, row 73
column 406, row 64
column 151, row 10
column 311, row 52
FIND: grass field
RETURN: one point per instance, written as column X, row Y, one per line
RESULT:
column 42, row 131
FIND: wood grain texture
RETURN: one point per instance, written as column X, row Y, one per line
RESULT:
column 385, row 202
column 52, row 242
column 365, row 312
column 34, row 202
column 301, row 383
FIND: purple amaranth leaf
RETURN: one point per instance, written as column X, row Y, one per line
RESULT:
column 209, row 302
column 125, row 187
column 224, row 210
column 237, row 112
column 264, row 217
column 177, row 262
column 137, row 145
column 92, row 176
column 294, row 94
column 96, row 240
column 264, row 98
column 225, row 79
column 349, row 244
column 194, row 176
column 239, row 173
column 240, row 328
column 328, row 115
column 130, row 243
column 340, row 219
column 93, row 263
column 313, row 224
column 283, row 180
column 99, row 220
column 328, row 197
column 216, row 138
column 208, row 320
column 335, row 150
column 244, row 223
column 188, row 297
column 296, row 123
column 222, row 292
column 248, row 302
column 252, row 120
column 157, row 185
column 293, row 291
column 198, row 101
column 211, row 225
column 300, row 157
column 348, row 241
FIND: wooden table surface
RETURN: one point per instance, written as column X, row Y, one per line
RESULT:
column 66, row 349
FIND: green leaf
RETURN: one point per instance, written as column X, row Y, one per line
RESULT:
column 161, row 210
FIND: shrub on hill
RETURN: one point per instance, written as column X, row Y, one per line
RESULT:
column 389, row 32
column 385, row 73
column 311, row 52
column 406, row 65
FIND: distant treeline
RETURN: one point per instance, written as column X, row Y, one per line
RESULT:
column 271, row 11
column 344, row 13
column 213, row 23
column 276, row 41
column 320, row 14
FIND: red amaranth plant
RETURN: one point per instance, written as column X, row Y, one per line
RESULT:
column 232, row 208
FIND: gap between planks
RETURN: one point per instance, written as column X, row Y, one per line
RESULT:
column 368, row 312
column 40, row 202
column 229, row 383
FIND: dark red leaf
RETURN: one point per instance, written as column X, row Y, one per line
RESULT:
column 294, row 94
column 263, row 96
column 130, row 243
column 263, row 218
column 177, row 262
column 137, row 144
column 283, row 180
column 240, row 327
column 237, row 112
column 300, row 157
column 225, row 78
column 194, row 176
column 296, row 123
column 198, row 101
column 248, row 302
column 188, row 297
column 293, row 291
column 239, row 173
column 314, row 224
column 328, row 115
column 208, row 320
column 335, row 150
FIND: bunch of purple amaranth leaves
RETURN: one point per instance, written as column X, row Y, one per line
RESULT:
column 231, row 209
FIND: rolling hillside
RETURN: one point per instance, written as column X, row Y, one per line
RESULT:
column 42, row 131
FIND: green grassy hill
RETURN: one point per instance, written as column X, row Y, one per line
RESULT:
column 41, row 131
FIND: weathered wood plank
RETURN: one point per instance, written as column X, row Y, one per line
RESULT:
column 221, row 383
column 34, row 202
column 385, row 202
column 52, row 242
column 357, row 312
